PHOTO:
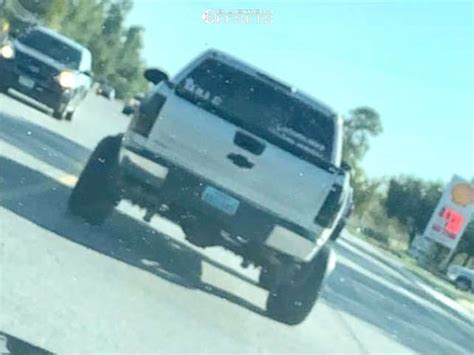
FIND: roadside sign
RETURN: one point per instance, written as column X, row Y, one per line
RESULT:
column 452, row 214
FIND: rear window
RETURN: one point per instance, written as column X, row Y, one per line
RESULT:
column 53, row 48
column 261, row 106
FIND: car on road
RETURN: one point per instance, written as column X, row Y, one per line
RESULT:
column 239, row 160
column 462, row 277
column 106, row 90
column 47, row 67
column 132, row 105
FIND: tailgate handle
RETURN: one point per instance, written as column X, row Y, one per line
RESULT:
column 240, row 161
column 249, row 143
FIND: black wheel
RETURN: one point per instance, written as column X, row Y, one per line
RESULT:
column 60, row 112
column 96, row 192
column 69, row 115
column 291, row 303
column 463, row 284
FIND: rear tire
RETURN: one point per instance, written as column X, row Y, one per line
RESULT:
column 59, row 113
column 69, row 115
column 292, row 302
column 463, row 284
column 96, row 193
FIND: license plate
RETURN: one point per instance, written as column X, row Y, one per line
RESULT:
column 26, row 82
column 220, row 200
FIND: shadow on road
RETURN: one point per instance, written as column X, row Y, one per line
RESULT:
column 121, row 237
column 15, row 346
column 47, row 146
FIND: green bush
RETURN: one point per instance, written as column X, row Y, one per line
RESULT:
column 378, row 226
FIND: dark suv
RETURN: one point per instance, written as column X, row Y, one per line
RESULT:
column 49, row 68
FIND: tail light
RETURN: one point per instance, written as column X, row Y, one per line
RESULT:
column 147, row 114
column 328, row 212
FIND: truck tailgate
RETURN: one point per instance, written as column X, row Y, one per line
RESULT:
column 278, row 181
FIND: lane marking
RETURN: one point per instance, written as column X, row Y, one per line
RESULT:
column 68, row 180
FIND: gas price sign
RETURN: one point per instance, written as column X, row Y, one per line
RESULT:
column 452, row 214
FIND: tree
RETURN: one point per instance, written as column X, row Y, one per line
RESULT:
column 365, row 190
column 83, row 20
column 361, row 124
column 23, row 13
column 130, row 75
column 117, row 51
column 412, row 201
column 106, row 45
column 48, row 12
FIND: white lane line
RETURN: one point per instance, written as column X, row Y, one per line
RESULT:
column 400, row 290
column 387, row 269
column 58, row 175
column 68, row 180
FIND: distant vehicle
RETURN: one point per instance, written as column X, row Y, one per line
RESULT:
column 49, row 68
column 132, row 105
column 106, row 90
column 462, row 277
column 239, row 160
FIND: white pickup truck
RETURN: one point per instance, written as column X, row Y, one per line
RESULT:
column 239, row 160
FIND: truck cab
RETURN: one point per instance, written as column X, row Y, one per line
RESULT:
column 48, row 67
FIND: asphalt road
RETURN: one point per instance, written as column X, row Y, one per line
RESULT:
column 131, row 287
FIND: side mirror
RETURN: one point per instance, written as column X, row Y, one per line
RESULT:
column 155, row 76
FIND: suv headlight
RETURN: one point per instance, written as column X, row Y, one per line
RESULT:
column 7, row 51
column 66, row 79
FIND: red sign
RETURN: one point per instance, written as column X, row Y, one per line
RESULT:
column 452, row 214
column 454, row 222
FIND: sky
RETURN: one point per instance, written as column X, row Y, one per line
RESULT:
column 410, row 61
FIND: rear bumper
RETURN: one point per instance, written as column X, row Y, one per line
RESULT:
column 152, row 182
column 48, row 92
